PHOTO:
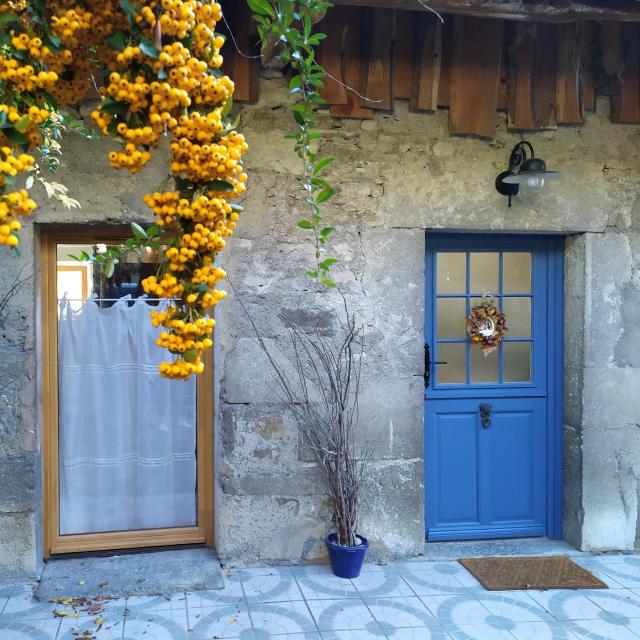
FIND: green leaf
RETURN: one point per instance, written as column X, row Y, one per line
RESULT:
column 305, row 224
column 3, row 119
column 84, row 256
column 116, row 40
column 328, row 282
column 7, row 18
column 325, row 194
column 313, row 274
column 325, row 264
column 228, row 105
column 325, row 231
column 321, row 164
column 219, row 185
column 162, row 73
column 236, row 207
column 296, row 81
column 112, row 107
column 109, row 268
column 23, row 124
column 261, row 7
column 138, row 231
column 190, row 355
column 149, row 49
column 15, row 136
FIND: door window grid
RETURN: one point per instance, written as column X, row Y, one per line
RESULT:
column 448, row 282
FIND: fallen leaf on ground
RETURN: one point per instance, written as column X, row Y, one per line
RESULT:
column 81, row 581
column 229, row 573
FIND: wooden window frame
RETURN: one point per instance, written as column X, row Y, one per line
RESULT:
column 54, row 543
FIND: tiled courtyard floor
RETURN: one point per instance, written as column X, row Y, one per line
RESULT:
column 414, row 600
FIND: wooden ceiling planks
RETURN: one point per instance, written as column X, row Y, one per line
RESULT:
column 532, row 77
column 569, row 74
column 542, row 74
column 625, row 104
column 475, row 75
column 377, row 38
column 427, row 57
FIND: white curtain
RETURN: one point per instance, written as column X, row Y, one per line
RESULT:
column 127, row 436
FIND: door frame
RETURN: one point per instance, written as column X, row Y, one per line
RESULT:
column 554, row 247
column 53, row 542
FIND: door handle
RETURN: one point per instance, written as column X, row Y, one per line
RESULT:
column 485, row 415
column 427, row 364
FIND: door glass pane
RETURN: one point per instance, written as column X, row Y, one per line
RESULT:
column 517, row 312
column 483, row 272
column 452, row 317
column 516, row 362
column 451, row 271
column 127, row 437
column 516, row 270
column 484, row 368
column 455, row 355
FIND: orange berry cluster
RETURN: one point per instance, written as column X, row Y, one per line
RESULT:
column 175, row 89
column 45, row 57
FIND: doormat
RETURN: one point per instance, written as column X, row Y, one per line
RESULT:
column 133, row 574
column 521, row 573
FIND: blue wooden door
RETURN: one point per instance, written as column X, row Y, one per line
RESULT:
column 499, row 477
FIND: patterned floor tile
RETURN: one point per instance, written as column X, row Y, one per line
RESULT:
column 168, row 624
column 381, row 584
column 456, row 609
column 516, row 606
column 359, row 634
column 625, row 573
column 393, row 613
column 146, row 604
column 28, row 629
column 231, row 594
column 5, row 592
column 343, row 615
column 564, row 604
column 321, row 587
column 22, row 606
column 417, row 633
column 433, row 578
column 606, row 628
column 231, row 621
column 101, row 627
column 276, row 587
column 281, row 618
column 620, row 602
column 477, row 632
column 541, row 631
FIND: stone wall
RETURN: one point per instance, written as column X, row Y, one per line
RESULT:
column 397, row 176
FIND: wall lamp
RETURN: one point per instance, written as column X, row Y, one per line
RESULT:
column 529, row 172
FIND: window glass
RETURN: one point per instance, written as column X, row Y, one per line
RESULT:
column 455, row 355
column 451, row 271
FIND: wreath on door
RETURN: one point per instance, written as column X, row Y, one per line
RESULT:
column 486, row 325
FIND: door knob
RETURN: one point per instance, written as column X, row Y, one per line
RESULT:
column 485, row 415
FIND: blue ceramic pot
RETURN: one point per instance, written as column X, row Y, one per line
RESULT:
column 346, row 562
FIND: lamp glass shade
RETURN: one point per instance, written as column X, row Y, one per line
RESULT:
column 531, row 179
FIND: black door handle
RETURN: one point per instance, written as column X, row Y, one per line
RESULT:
column 427, row 364
column 485, row 415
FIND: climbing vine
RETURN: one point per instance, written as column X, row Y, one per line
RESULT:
column 286, row 29
column 158, row 62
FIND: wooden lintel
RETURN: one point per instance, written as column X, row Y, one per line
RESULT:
column 536, row 11
column 625, row 105
column 427, row 57
column 569, row 74
column 375, row 67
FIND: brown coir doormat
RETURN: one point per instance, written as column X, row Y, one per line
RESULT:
column 550, row 572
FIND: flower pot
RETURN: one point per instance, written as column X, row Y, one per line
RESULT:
column 346, row 562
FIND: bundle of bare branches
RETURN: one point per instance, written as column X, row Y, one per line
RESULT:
column 321, row 391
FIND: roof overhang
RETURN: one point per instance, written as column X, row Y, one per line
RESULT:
column 534, row 10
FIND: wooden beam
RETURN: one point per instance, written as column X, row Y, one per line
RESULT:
column 427, row 55
column 475, row 75
column 588, row 74
column 351, row 68
column 444, row 86
column 403, row 54
column 569, row 77
column 330, row 57
column 609, row 62
column 243, row 70
column 376, row 59
column 532, row 76
column 534, row 10
column 625, row 105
